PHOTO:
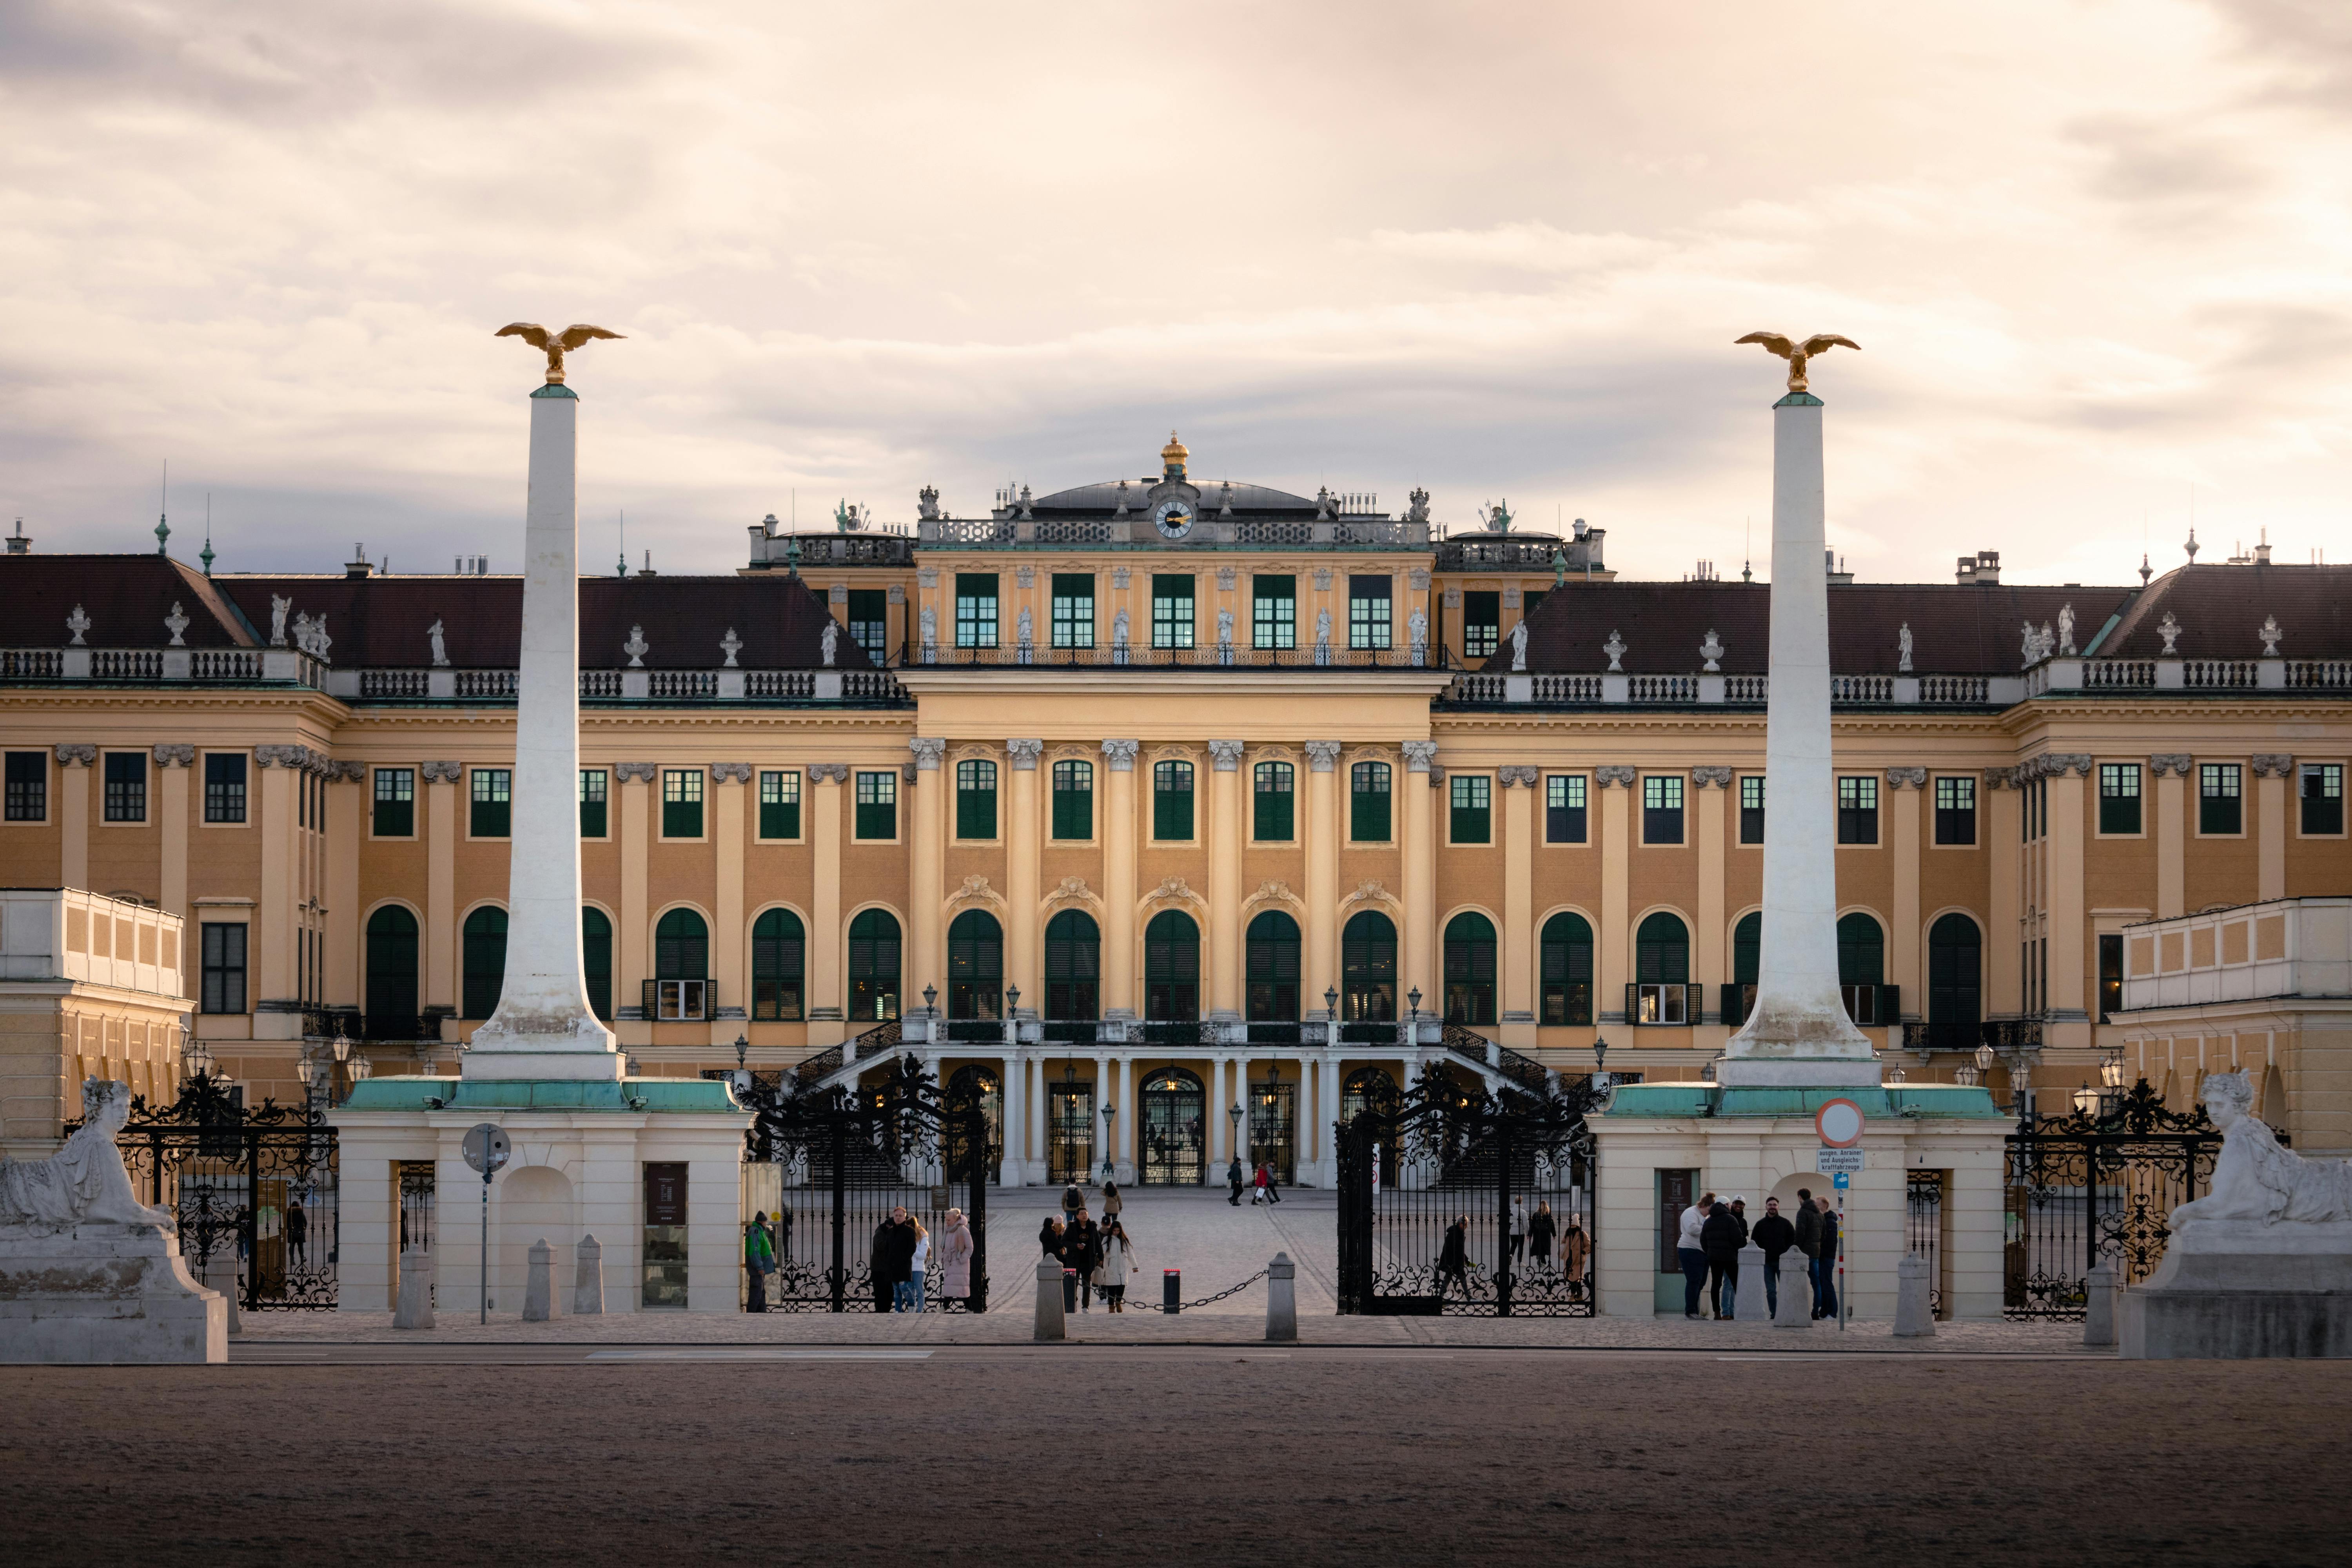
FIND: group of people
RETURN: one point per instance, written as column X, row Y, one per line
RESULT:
column 1100, row 1255
column 1533, row 1236
column 1262, row 1187
column 1711, row 1233
column 899, row 1266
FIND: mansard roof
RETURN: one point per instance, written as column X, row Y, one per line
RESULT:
column 2221, row 610
column 1102, row 499
column 126, row 598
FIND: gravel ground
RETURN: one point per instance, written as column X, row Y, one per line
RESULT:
column 1103, row 1455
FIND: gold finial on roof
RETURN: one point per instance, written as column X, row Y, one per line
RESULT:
column 1172, row 455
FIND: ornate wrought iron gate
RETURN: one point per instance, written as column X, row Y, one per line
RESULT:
column 847, row 1159
column 256, row 1184
column 1430, row 1183
column 2092, row 1182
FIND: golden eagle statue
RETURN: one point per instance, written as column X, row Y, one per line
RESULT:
column 1789, row 349
column 557, row 344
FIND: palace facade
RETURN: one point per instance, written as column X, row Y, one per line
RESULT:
column 1173, row 812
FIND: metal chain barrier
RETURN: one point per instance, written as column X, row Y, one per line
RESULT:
column 1221, row 1295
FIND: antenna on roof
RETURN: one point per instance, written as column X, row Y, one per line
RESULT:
column 164, row 513
column 207, row 553
column 625, row 543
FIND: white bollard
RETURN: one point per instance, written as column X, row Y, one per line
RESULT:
column 1796, row 1291
column 1282, row 1300
column 1749, row 1306
column 1914, row 1309
column 539, row 1285
column 2099, row 1305
column 220, row 1274
column 416, row 1307
column 588, row 1279
column 1049, row 1299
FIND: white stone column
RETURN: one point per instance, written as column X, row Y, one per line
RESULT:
column 1010, row 1168
column 1419, row 789
column 1036, row 1132
column 544, row 1027
column 1799, row 1017
column 1123, row 1138
column 1218, row 1153
column 828, row 942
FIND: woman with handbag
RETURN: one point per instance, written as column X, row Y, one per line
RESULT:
column 1117, row 1262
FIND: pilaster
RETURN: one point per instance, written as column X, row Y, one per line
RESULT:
column 1616, row 939
column 633, row 963
column 1024, row 869
column 1324, row 804
column 828, row 971
column 2171, row 774
column 76, row 764
column 2005, row 855
column 731, row 938
column 1709, row 784
column 440, row 884
column 1904, row 790
column 2272, row 805
column 1226, row 831
column 176, row 764
column 1421, row 782
column 1119, row 997
column 2068, row 808
column 1517, row 1013
column 346, row 808
column 926, row 950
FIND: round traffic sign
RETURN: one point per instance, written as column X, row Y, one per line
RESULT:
column 1839, row 1123
column 487, row 1147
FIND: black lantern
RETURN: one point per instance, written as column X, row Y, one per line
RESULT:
column 931, row 1000
column 1412, row 1000
column 1331, row 1001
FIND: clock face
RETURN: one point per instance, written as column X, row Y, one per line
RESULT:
column 1173, row 518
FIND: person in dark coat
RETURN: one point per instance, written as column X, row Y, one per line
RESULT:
column 1454, row 1256
column 894, row 1256
column 1776, row 1236
column 1082, row 1250
column 1233, row 1180
column 1808, row 1242
column 1719, row 1238
column 1049, row 1237
column 1541, row 1229
column 1826, row 1263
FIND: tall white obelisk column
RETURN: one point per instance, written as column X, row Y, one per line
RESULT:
column 1798, row 1033
column 543, row 1027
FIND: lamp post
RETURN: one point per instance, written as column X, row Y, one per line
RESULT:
column 1012, row 1000
column 1235, row 1112
column 1331, row 1002
column 931, row 1001
column 1599, row 1065
column 341, row 1046
column 196, row 1058
column 1110, row 1120
column 742, row 1073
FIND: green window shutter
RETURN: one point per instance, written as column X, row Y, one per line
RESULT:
column 1369, row 793
column 1172, row 620
column 779, row 953
column 395, row 802
column 779, row 804
column 1275, row 796
column 877, row 805
column 1473, row 808
column 1171, row 802
column 682, row 807
column 1073, row 609
column 1662, row 952
column 975, row 609
column 493, row 803
column 1273, row 610
column 594, row 803
column 485, row 961
column 1074, row 800
column 869, row 622
column 681, row 947
column 975, row 799
column 596, row 959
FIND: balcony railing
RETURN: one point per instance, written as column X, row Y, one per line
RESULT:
column 32, row 663
column 1862, row 688
column 2005, row 1036
column 2229, row 674
column 2119, row 674
column 2319, row 674
column 1132, row 656
column 1966, row 689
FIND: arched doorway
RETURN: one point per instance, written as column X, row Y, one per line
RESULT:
column 1272, row 968
column 681, row 966
column 1660, row 971
column 535, row 1203
column 392, row 975
column 975, row 967
column 1073, row 968
column 1955, row 982
column 1172, row 1148
column 596, row 959
column 982, row 1085
column 1862, row 968
column 778, row 949
column 873, row 967
column 1470, row 969
column 485, row 961
column 1171, row 969
column 1369, row 1089
column 1273, row 1102
column 1567, row 969
column 1368, row 962
column 1747, row 965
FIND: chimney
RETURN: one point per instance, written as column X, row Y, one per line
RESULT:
column 1983, row 568
column 358, row 565
column 2262, row 550
column 17, row 544
column 1830, row 566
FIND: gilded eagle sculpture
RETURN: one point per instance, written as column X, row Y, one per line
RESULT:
column 1797, row 354
column 557, row 344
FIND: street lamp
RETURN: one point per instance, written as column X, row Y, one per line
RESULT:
column 1012, row 1000
column 196, row 1058
column 931, row 1001
column 1600, row 1063
column 1110, row 1120
column 1331, row 1002
column 1412, row 1000
column 742, row 1073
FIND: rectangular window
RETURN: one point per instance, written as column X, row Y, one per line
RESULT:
column 681, row 802
column 1172, row 610
column 1074, row 609
column 1273, row 611
column 1074, row 800
column 2118, row 797
column 779, row 804
column 1662, row 809
column 1368, row 803
column 1274, row 795
column 2111, row 977
column 395, row 802
column 975, row 799
column 869, row 622
column 493, row 804
column 1472, row 814
column 1857, row 811
column 1171, row 802
column 1956, row 811
column 1564, row 809
column 1368, row 619
column 595, row 819
column 1751, row 808
column 877, row 805
column 2323, row 798
column 28, row 786
column 126, row 786
column 1482, row 624
column 2220, row 809
column 225, row 787
column 224, row 968
column 975, row 609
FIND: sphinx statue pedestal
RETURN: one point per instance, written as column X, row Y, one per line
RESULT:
column 2238, row 1290
column 104, row 1291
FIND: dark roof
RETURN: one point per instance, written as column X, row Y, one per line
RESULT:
column 1956, row 629
column 1102, row 499
column 2221, row 608
column 125, row 596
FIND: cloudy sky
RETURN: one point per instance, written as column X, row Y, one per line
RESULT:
column 2097, row 256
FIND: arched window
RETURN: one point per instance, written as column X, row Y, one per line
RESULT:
column 391, row 974
column 873, row 967
column 680, row 987
column 1073, row 968
column 779, row 949
column 1660, row 992
column 1955, row 982
column 1747, row 964
column 1567, row 970
column 1470, row 969
column 485, row 961
column 1272, row 968
column 1171, row 969
column 975, row 966
column 596, row 959
column 1862, row 969
column 1368, row 967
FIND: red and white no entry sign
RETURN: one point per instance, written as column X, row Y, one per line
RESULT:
column 1839, row 1123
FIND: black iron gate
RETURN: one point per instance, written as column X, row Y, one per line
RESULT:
column 849, row 1158
column 256, row 1184
column 2103, row 1180
column 1454, row 1202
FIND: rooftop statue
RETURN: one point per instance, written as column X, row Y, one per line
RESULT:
column 1797, row 354
column 557, row 345
column 84, row 1182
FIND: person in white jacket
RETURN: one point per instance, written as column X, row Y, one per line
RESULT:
column 1118, row 1263
column 913, row 1298
column 1691, row 1256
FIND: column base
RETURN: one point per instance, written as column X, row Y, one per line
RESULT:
column 1797, row 1072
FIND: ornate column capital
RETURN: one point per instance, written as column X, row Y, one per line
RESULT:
column 633, row 772
column 1024, row 754
column 176, row 756
column 1906, row 778
column 2164, row 763
column 1225, row 755
column 1711, row 777
column 928, row 751
column 1322, row 756
column 1527, row 774
column 1612, row 776
column 446, row 772
column 2000, row 778
column 350, row 773
column 1120, row 755
column 1419, row 755
column 76, row 755
column 2271, row 764
column 732, row 773
column 829, row 772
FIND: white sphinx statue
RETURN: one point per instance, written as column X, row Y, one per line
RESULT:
column 84, row 1182
column 2256, row 1182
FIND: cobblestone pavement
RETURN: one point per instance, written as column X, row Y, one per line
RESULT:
column 1214, row 1244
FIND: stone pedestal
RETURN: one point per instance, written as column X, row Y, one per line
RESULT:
column 1915, row 1310
column 415, row 1308
column 1748, row 1305
column 588, row 1279
column 100, row 1292
column 1282, row 1300
column 1049, row 1324
column 2233, row 1291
